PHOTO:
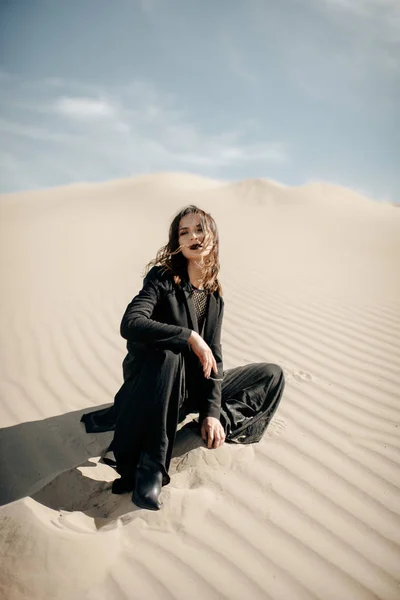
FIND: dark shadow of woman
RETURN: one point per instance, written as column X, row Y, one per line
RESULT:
column 73, row 491
column 40, row 459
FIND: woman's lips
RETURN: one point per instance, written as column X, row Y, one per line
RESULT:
column 195, row 246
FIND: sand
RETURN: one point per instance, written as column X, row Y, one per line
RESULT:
column 311, row 282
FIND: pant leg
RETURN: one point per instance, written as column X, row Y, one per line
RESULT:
column 148, row 406
column 104, row 419
column 250, row 396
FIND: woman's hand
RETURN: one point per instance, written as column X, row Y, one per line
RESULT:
column 212, row 432
column 204, row 353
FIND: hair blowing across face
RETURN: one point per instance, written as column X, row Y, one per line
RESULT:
column 171, row 258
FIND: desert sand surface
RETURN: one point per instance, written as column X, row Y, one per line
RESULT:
column 311, row 282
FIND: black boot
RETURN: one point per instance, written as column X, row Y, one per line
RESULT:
column 148, row 483
column 123, row 485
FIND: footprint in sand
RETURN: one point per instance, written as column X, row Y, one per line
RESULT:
column 276, row 427
column 300, row 376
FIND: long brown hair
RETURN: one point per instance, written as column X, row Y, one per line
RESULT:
column 171, row 258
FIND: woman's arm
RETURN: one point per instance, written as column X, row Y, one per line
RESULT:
column 137, row 326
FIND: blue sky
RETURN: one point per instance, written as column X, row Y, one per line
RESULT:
column 291, row 90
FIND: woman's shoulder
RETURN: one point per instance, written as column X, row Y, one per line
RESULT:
column 159, row 275
column 154, row 274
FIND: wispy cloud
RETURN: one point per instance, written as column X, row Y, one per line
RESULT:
column 380, row 19
column 120, row 131
column 35, row 133
column 235, row 58
column 146, row 6
column 385, row 9
column 84, row 108
column 373, row 44
column 340, row 52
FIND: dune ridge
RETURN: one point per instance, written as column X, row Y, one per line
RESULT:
column 310, row 279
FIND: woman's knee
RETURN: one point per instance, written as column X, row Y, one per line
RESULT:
column 163, row 354
column 274, row 372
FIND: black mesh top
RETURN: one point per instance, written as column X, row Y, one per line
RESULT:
column 200, row 298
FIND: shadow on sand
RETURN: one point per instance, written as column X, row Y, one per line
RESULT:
column 41, row 459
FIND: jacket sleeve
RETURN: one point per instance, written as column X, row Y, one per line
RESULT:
column 138, row 326
column 211, row 406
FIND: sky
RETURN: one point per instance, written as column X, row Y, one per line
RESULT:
column 290, row 90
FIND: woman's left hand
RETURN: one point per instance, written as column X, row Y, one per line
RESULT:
column 212, row 432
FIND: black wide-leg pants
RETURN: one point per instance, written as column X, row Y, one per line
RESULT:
column 162, row 389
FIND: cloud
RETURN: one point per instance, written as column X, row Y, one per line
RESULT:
column 35, row 133
column 342, row 53
column 365, row 8
column 235, row 58
column 380, row 17
column 84, row 108
column 12, row 169
column 216, row 155
column 146, row 6
column 375, row 29
column 96, row 133
column 8, row 161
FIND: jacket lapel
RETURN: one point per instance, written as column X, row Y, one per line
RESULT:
column 211, row 315
column 211, row 319
column 192, row 319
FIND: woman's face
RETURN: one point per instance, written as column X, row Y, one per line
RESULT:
column 190, row 233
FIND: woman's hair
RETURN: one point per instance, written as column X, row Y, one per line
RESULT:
column 171, row 258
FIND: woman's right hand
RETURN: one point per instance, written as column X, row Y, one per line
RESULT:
column 204, row 353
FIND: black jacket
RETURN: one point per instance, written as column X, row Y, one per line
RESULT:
column 163, row 315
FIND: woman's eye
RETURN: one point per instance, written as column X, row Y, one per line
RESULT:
column 186, row 232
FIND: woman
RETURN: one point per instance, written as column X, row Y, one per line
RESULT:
column 174, row 365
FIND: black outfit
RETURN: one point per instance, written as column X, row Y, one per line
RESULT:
column 164, row 380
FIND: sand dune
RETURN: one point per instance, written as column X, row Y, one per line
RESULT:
column 310, row 277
